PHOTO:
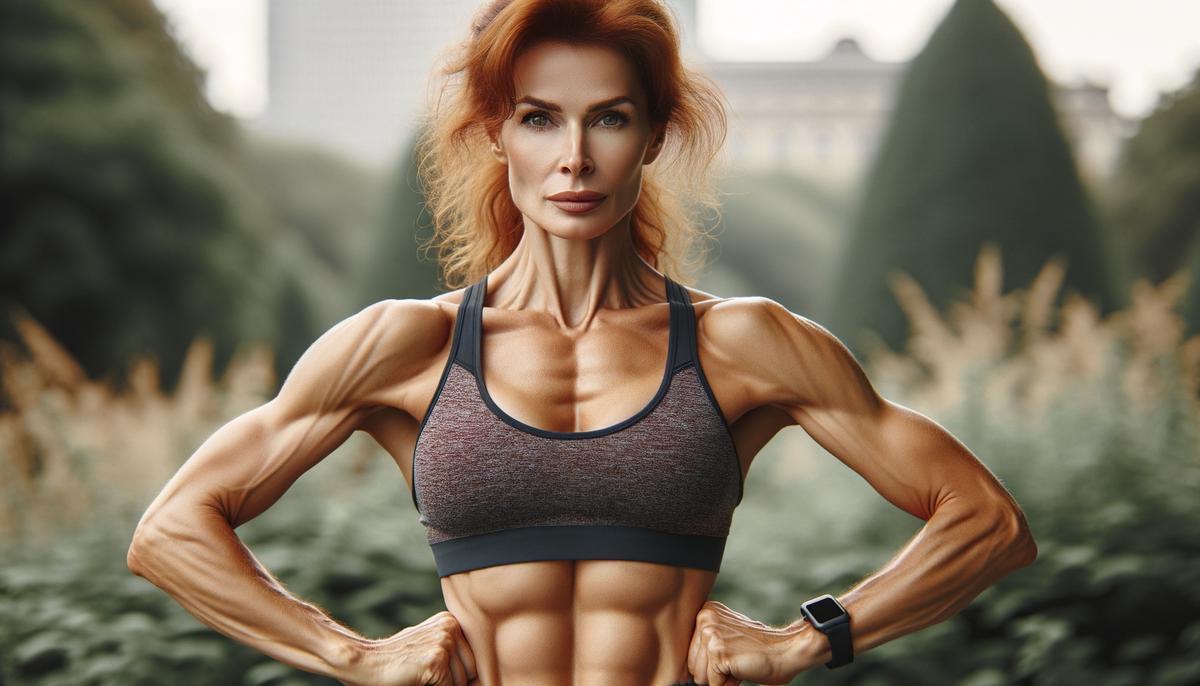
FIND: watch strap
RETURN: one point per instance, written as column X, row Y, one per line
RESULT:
column 840, row 644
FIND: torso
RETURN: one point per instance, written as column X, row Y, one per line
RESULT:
column 581, row 621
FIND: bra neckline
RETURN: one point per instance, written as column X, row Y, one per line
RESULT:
column 499, row 412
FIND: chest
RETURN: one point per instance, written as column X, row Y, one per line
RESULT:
column 672, row 466
column 559, row 383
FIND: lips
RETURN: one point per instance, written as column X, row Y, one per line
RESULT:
column 577, row 202
column 576, row 196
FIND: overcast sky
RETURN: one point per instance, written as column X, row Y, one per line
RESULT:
column 1137, row 48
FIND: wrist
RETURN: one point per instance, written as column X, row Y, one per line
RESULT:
column 350, row 660
column 808, row 648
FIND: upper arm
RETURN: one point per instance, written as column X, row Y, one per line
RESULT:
column 907, row 457
column 248, row 464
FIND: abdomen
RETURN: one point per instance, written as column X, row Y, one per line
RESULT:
column 582, row 622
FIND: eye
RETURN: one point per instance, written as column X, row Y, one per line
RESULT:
column 614, row 118
column 621, row 118
column 531, row 115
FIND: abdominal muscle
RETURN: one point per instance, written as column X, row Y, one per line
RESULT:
column 578, row 622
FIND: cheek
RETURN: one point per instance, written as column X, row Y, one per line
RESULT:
column 624, row 158
column 526, row 167
column 527, row 174
column 625, row 169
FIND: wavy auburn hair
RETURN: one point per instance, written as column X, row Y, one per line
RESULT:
column 476, row 224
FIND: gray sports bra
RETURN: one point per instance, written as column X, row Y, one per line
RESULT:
column 660, row 486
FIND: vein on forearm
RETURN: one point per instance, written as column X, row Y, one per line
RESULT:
column 207, row 569
column 959, row 552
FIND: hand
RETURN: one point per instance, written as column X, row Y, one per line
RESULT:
column 728, row 647
column 432, row 653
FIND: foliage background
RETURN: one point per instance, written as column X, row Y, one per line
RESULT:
column 161, row 269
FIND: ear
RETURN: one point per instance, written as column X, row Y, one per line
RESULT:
column 656, row 145
column 498, row 151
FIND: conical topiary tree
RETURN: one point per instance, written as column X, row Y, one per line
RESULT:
column 974, row 154
column 1154, row 196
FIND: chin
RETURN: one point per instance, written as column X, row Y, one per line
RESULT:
column 577, row 227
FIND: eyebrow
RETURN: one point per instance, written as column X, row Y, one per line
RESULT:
column 544, row 104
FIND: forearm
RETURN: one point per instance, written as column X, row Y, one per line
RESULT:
column 206, row 568
column 955, row 556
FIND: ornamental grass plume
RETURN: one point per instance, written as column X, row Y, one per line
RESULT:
column 1027, row 364
column 70, row 444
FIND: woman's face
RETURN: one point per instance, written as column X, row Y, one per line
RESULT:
column 580, row 125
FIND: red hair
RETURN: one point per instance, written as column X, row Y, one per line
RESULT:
column 476, row 223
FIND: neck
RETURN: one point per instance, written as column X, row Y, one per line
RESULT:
column 574, row 279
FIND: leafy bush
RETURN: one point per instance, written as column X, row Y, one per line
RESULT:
column 1092, row 426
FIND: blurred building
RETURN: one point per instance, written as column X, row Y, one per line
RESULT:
column 352, row 74
column 825, row 118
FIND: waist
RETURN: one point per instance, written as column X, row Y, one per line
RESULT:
column 577, row 542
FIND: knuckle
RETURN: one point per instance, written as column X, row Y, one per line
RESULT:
column 434, row 657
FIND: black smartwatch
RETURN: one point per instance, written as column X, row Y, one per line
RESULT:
column 827, row 615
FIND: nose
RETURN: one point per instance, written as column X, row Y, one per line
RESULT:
column 577, row 161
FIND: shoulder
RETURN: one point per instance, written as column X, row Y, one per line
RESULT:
column 790, row 357
column 407, row 326
column 759, row 323
column 361, row 359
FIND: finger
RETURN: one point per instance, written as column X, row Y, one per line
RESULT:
column 454, row 666
column 457, row 670
column 694, row 650
column 441, row 667
column 701, row 669
column 466, row 655
column 712, row 652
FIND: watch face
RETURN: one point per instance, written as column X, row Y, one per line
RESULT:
column 824, row 610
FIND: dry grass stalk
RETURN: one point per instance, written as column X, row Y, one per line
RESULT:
column 976, row 336
column 1026, row 369
column 70, row 441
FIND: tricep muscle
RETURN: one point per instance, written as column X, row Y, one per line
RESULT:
column 250, row 462
column 907, row 457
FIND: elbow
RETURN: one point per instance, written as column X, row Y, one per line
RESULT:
column 136, row 554
column 142, row 547
column 147, row 538
column 1028, row 550
column 1019, row 545
column 167, row 530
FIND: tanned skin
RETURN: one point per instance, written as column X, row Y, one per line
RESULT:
column 575, row 313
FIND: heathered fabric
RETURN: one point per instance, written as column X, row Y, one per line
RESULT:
column 650, row 487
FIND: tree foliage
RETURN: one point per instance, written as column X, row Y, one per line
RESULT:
column 1154, row 196
column 400, row 263
column 123, row 223
column 974, row 155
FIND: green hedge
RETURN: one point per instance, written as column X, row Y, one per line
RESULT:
column 1109, row 488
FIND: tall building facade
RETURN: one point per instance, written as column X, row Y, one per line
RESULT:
column 352, row 74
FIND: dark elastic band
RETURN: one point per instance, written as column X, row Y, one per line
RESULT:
column 578, row 542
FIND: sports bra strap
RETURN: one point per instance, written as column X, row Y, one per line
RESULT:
column 683, row 322
column 464, row 330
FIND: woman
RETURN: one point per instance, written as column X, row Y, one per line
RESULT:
column 575, row 425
